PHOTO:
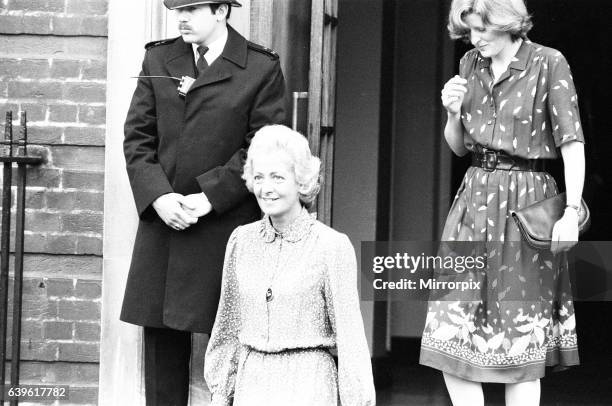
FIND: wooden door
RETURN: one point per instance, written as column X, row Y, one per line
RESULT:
column 303, row 32
column 322, row 97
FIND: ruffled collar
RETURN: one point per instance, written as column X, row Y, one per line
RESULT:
column 298, row 229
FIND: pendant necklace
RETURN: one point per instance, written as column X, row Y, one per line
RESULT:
column 269, row 292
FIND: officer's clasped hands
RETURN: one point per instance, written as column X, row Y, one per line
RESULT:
column 170, row 209
column 196, row 204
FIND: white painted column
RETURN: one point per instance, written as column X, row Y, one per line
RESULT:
column 121, row 379
column 131, row 25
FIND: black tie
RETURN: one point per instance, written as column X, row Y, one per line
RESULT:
column 202, row 64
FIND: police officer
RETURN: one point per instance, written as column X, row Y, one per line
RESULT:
column 184, row 154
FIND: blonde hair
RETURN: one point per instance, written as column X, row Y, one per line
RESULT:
column 278, row 138
column 509, row 16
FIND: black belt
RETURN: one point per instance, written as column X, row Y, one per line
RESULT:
column 491, row 160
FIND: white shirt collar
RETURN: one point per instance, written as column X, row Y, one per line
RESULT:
column 215, row 48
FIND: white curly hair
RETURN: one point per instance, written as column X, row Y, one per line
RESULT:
column 279, row 138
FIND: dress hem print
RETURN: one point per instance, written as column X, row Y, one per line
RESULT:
column 437, row 354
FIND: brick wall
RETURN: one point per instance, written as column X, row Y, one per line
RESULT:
column 53, row 65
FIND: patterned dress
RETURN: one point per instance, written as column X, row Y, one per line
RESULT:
column 286, row 300
column 522, row 320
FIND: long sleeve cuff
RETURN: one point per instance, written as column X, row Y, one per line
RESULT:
column 148, row 183
column 223, row 188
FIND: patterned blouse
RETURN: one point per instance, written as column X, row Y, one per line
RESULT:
column 531, row 110
column 295, row 290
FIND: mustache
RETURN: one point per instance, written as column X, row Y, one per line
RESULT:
column 184, row 27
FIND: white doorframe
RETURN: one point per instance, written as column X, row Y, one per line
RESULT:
column 120, row 343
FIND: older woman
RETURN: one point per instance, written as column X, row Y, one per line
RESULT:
column 289, row 294
column 512, row 106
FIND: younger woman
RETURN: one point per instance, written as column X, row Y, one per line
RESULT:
column 512, row 106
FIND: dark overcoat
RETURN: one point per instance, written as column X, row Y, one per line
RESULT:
column 190, row 144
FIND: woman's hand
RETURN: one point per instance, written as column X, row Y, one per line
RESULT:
column 453, row 93
column 565, row 232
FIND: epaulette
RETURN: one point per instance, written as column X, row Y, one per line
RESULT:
column 160, row 42
column 263, row 50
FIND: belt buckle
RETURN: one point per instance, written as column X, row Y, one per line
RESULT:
column 489, row 159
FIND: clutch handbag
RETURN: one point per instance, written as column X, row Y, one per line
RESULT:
column 536, row 222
